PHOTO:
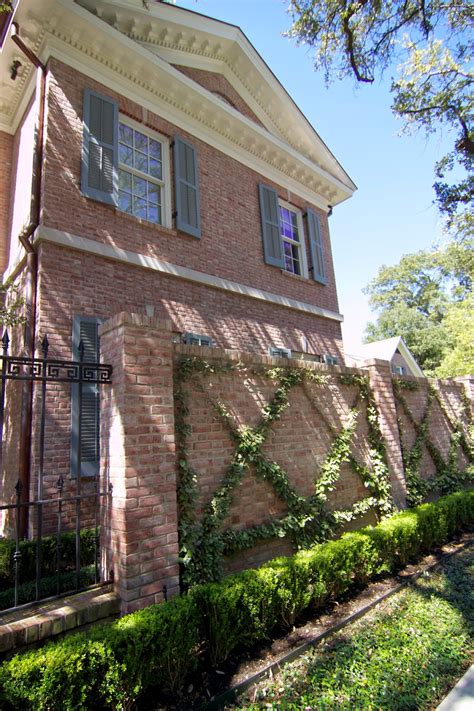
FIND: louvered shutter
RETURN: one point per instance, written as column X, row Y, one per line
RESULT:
column 317, row 249
column 186, row 177
column 85, row 329
column 270, row 216
column 100, row 148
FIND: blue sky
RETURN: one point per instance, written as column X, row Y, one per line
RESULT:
column 392, row 212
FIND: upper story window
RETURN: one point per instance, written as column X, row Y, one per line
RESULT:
column 291, row 231
column 127, row 166
column 284, row 238
column 141, row 173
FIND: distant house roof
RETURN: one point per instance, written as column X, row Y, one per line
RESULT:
column 385, row 350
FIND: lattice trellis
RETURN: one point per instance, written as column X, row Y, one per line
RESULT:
column 307, row 519
column 448, row 477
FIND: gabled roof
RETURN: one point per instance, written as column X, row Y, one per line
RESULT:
column 135, row 49
column 385, row 350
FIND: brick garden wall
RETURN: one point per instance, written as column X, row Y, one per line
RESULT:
column 174, row 409
column 218, row 393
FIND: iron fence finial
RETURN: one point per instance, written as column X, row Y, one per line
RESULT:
column 5, row 341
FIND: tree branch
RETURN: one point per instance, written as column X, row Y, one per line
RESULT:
column 350, row 47
column 465, row 143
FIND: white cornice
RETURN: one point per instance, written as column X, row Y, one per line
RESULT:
column 175, row 32
column 98, row 49
column 135, row 259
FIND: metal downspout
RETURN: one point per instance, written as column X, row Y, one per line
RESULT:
column 31, row 277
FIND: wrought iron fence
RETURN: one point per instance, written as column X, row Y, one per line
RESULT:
column 64, row 575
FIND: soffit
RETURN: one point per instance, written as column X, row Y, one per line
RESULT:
column 119, row 36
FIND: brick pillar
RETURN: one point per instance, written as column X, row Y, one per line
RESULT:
column 380, row 376
column 139, row 533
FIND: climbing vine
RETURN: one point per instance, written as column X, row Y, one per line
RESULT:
column 448, row 477
column 203, row 543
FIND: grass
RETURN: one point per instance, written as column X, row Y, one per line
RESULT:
column 406, row 655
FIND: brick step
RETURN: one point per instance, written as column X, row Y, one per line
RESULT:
column 29, row 626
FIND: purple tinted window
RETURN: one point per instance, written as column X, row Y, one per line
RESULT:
column 291, row 240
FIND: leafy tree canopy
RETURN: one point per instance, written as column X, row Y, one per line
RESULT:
column 432, row 42
column 11, row 305
column 459, row 326
column 425, row 298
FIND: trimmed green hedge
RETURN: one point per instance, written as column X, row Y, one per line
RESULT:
column 161, row 645
column 48, row 556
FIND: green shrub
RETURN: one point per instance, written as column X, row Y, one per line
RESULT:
column 28, row 550
column 240, row 610
column 157, row 645
column 48, row 587
column 161, row 645
column 75, row 674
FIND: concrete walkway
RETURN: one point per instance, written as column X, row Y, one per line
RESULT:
column 461, row 698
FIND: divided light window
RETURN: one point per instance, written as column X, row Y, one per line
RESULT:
column 291, row 231
column 141, row 181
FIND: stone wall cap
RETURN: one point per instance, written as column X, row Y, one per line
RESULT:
column 124, row 318
column 246, row 357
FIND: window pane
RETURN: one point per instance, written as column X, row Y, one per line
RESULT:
column 141, row 142
column 125, row 155
column 125, row 202
column 154, row 214
column 155, row 149
column 141, row 162
column 139, row 187
column 154, row 193
column 125, row 134
column 155, row 168
column 125, row 181
column 139, row 207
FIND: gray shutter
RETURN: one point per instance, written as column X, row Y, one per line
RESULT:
column 99, row 178
column 270, row 215
column 85, row 329
column 186, row 179
column 317, row 249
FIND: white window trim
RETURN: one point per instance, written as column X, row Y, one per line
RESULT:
column 165, row 159
column 299, row 219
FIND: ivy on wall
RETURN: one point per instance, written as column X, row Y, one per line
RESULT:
column 204, row 543
column 448, row 477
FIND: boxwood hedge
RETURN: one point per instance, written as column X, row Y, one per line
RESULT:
column 162, row 644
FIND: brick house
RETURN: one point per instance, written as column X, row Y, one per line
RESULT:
column 162, row 194
column 174, row 176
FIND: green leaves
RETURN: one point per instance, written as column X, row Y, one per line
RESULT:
column 428, row 45
column 11, row 303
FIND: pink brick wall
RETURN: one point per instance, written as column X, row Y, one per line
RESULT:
column 298, row 442
column 440, row 419
column 230, row 225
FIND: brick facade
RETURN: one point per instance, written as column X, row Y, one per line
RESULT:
column 231, row 231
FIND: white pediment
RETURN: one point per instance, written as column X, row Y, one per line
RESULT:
column 136, row 48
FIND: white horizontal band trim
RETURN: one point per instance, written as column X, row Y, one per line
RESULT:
column 66, row 239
